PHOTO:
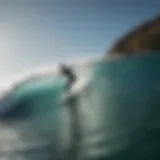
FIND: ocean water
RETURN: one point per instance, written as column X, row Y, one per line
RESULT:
column 30, row 120
column 110, row 113
column 116, row 115
column 122, row 117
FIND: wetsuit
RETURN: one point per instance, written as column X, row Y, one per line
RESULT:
column 69, row 74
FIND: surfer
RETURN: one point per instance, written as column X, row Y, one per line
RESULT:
column 68, row 72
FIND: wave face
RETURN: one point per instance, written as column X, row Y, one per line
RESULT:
column 111, row 112
column 116, row 115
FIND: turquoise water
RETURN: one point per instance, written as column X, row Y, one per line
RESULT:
column 114, row 117
column 32, row 121
column 119, row 110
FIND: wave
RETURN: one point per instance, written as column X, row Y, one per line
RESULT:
column 80, row 66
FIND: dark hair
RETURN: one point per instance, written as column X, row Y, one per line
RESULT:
column 144, row 38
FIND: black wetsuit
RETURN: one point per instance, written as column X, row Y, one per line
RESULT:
column 70, row 75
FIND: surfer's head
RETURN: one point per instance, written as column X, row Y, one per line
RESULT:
column 140, row 40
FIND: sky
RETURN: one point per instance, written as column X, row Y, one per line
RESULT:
column 36, row 33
